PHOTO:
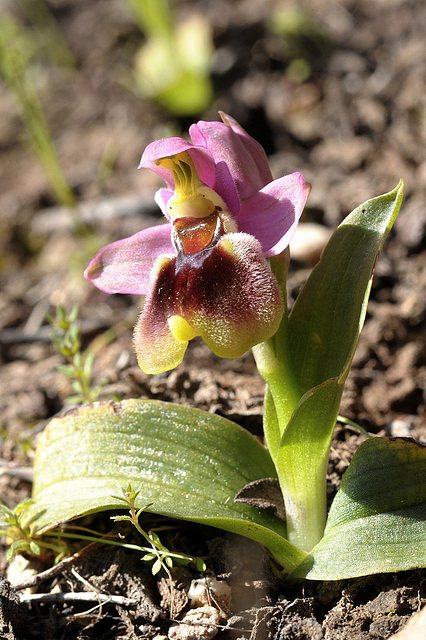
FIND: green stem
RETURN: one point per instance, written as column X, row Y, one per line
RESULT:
column 116, row 543
column 302, row 466
column 357, row 427
column 302, row 477
column 14, row 65
column 300, row 461
column 274, row 364
column 306, row 514
column 282, row 388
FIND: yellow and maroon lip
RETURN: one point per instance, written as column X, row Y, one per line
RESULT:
column 228, row 296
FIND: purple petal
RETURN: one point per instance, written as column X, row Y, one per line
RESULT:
column 124, row 266
column 253, row 147
column 226, row 188
column 162, row 196
column 167, row 147
column 228, row 142
column 272, row 214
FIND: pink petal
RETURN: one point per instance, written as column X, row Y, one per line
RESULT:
column 272, row 214
column 226, row 188
column 124, row 266
column 228, row 142
column 167, row 147
column 254, row 147
column 162, row 196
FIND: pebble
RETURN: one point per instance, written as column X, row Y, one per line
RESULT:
column 308, row 242
column 197, row 624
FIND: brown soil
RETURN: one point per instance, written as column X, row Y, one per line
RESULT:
column 353, row 127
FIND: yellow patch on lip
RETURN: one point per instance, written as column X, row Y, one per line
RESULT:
column 181, row 329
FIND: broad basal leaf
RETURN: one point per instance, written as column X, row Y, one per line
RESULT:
column 186, row 463
column 377, row 522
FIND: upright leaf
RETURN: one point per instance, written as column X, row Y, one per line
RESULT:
column 328, row 315
column 302, row 463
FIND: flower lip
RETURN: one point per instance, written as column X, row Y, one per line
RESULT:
column 225, row 293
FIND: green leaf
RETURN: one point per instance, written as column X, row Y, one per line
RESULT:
column 154, row 537
column 89, row 359
column 121, row 518
column 66, row 370
column 20, row 508
column 200, row 564
column 323, row 332
column 16, row 547
column 35, row 549
column 156, row 567
column 328, row 315
column 377, row 522
column 186, row 463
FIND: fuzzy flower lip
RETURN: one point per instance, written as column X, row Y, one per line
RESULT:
column 204, row 272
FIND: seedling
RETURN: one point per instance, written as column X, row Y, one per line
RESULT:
column 66, row 341
column 14, row 64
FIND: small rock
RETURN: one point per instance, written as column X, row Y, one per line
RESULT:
column 197, row 624
column 414, row 629
column 206, row 590
column 308, row 242
column 19, row 570
column 401, row 427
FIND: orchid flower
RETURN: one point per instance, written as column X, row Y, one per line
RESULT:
column 205, row 273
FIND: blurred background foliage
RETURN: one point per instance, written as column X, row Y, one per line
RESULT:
column 333, row 88
column 164, row 52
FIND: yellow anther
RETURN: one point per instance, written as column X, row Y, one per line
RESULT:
column 191, row 197
column 184, row 175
